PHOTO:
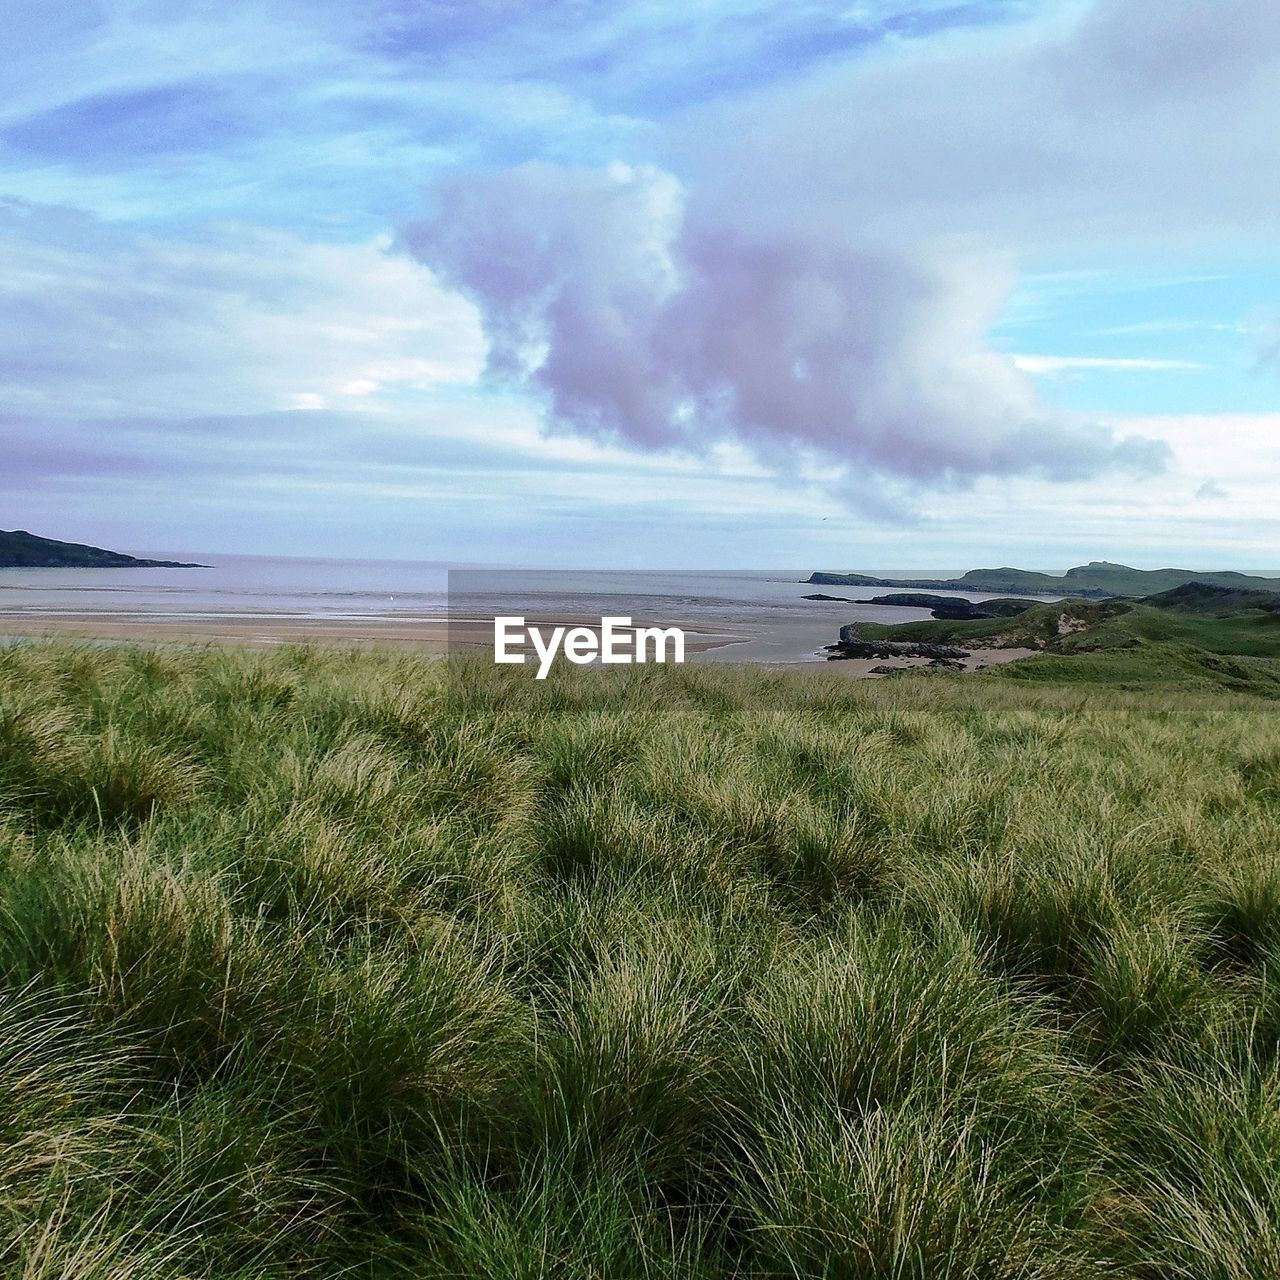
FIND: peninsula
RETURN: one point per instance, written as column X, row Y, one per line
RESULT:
column 1097, row 580
column 22, row 550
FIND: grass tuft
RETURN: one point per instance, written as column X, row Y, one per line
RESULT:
column 321, row 963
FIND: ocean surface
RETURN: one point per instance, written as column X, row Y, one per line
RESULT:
column 763, row 612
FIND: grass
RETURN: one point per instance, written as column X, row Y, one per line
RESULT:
column 344, row 964
column 1175, row 644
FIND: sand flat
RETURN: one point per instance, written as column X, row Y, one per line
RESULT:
column 430, row 635
column 425, row 634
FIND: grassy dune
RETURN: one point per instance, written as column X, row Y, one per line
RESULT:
column 328, row 964
column 1173, row 642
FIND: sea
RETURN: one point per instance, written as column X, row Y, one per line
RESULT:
column 762, row 614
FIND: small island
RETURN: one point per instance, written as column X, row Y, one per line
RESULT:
column 951, row 606
column 22, row 550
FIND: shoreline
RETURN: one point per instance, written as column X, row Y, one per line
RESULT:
column 430, row 635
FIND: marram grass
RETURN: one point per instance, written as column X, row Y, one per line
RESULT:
column 345, row 964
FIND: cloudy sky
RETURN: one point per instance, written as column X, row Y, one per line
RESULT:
column 900, row 283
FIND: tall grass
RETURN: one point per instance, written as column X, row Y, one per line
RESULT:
column 339, row 963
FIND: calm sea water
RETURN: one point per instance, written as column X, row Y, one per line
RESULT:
column 231, row 587
column 766, row 606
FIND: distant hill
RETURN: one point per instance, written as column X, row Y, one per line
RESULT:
column 1201, row 597
column 22, row 550
column 1096, row 580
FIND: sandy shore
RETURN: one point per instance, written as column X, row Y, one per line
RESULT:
column 431, row 635
column 427, row 635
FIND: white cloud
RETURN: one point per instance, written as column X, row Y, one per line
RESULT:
column 642, row 324
column 1121, row 123
column 1069, row 364
column 794, row 282
column 96, row 322
column 845, row 237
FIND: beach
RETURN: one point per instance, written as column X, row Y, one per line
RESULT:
column 739, row 617
column 428, row 636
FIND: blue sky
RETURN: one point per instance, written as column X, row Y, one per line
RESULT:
column 675, row 284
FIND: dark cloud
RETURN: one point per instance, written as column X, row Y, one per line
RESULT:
column 640, row 322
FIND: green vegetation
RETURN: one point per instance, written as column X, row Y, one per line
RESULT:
column 1097, row 579
column 322, row 964
column 1194, row 637
column 1034, row 628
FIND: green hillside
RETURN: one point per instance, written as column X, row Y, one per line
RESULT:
column 22, row 550
column 1195, row 636
column 1200, row 597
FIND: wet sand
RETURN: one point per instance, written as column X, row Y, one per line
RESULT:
column 428, row 634
column 862, row 668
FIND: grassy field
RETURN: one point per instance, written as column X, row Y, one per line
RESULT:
column 321, row 964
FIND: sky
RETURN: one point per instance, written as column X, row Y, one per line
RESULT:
column 653, row 283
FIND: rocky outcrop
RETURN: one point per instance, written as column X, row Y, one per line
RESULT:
column 938, row 664
column 950, row 608
column 850, row 645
